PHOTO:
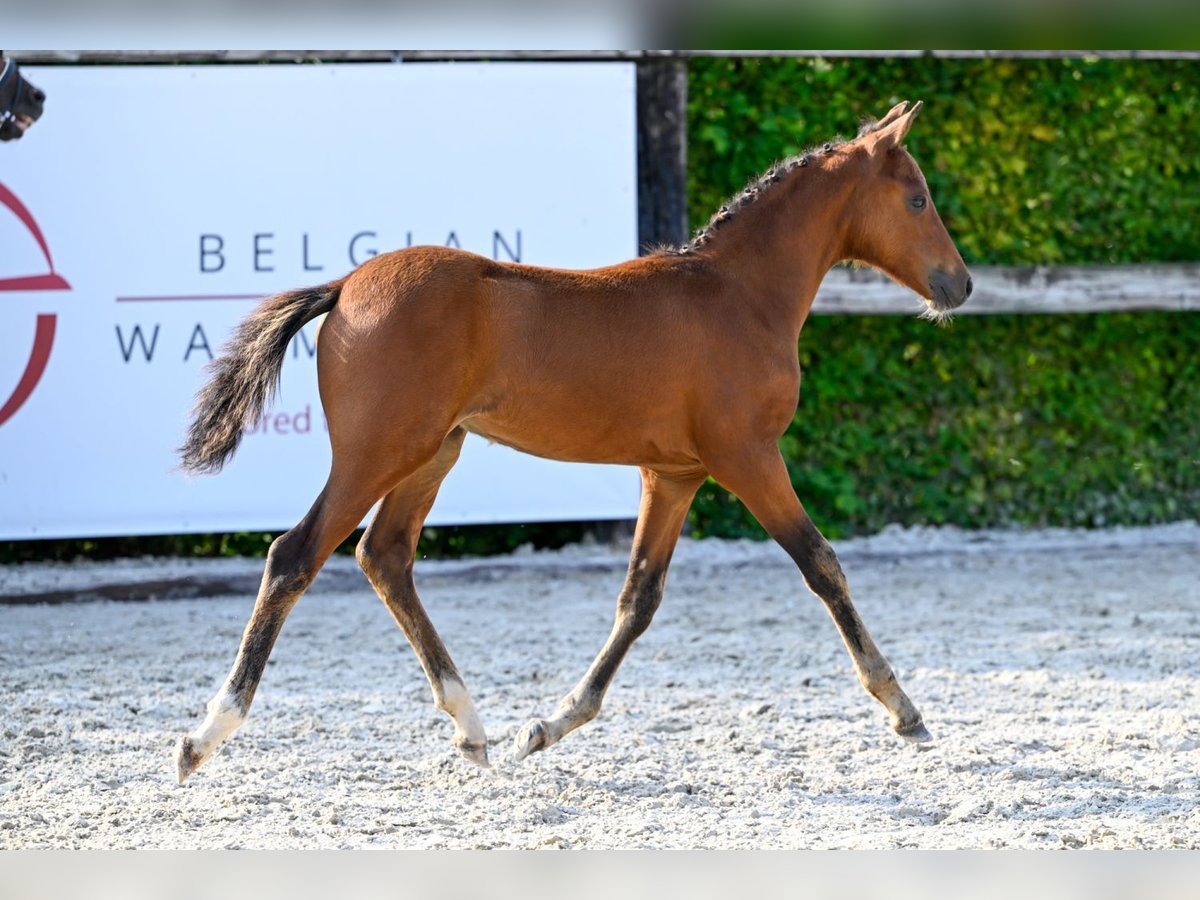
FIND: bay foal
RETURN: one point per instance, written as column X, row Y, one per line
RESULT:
column 682, row 363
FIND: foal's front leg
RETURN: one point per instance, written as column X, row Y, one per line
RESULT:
column 761, row 481
column 664, row 505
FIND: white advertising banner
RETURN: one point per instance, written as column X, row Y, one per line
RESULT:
column 151, row 206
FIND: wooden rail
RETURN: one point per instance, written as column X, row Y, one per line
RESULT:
column 1025, row 289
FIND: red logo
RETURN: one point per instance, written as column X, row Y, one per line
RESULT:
column 43, row 338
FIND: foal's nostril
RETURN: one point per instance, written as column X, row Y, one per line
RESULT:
column 970, row 287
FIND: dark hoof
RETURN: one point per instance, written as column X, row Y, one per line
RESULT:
column 475, row 752
column 187, row 760
column 530, row 739
column 916, row 733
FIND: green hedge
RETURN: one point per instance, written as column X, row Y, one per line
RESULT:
column 1028, row 161
column 1065, row 420
column 1032, row 420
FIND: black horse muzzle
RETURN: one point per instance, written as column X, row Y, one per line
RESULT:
column 21, row 103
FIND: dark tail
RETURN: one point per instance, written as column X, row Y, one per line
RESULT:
column 244, row 378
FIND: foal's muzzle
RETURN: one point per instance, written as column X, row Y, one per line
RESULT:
column 949, row 290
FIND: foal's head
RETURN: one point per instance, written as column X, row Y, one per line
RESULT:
column 895, row 226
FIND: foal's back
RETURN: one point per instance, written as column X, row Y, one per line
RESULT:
column 606, row 365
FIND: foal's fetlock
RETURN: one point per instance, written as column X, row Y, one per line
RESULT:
column 451, row 697
column 577, row 708
column 905, row 719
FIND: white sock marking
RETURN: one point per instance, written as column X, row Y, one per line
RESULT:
column 457, row 703
column 222, row 720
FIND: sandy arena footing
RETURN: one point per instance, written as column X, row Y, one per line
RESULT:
column 1057, row 671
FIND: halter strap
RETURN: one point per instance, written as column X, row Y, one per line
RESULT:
column 9, row 70
column 9, row 73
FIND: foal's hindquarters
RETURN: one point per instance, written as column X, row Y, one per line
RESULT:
column 427, row 344
column 393, row 438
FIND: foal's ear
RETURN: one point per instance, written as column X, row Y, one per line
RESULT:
column 892, row 128
column 891, row 115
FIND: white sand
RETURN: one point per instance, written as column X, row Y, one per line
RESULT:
column 1059, row 672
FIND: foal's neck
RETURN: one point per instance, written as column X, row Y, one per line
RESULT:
column 778, row 248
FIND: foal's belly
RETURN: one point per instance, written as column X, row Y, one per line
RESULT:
column 584, row 436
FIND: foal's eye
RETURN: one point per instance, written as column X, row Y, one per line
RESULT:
column 917, row 202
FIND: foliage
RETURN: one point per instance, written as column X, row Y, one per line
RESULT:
column 1032, row 420
column 1064, row 420
column 1029, row 161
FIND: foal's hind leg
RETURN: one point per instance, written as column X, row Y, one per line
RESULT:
column 664, row 506
column 386, row 554
column 761, row 481
column 292, row 564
